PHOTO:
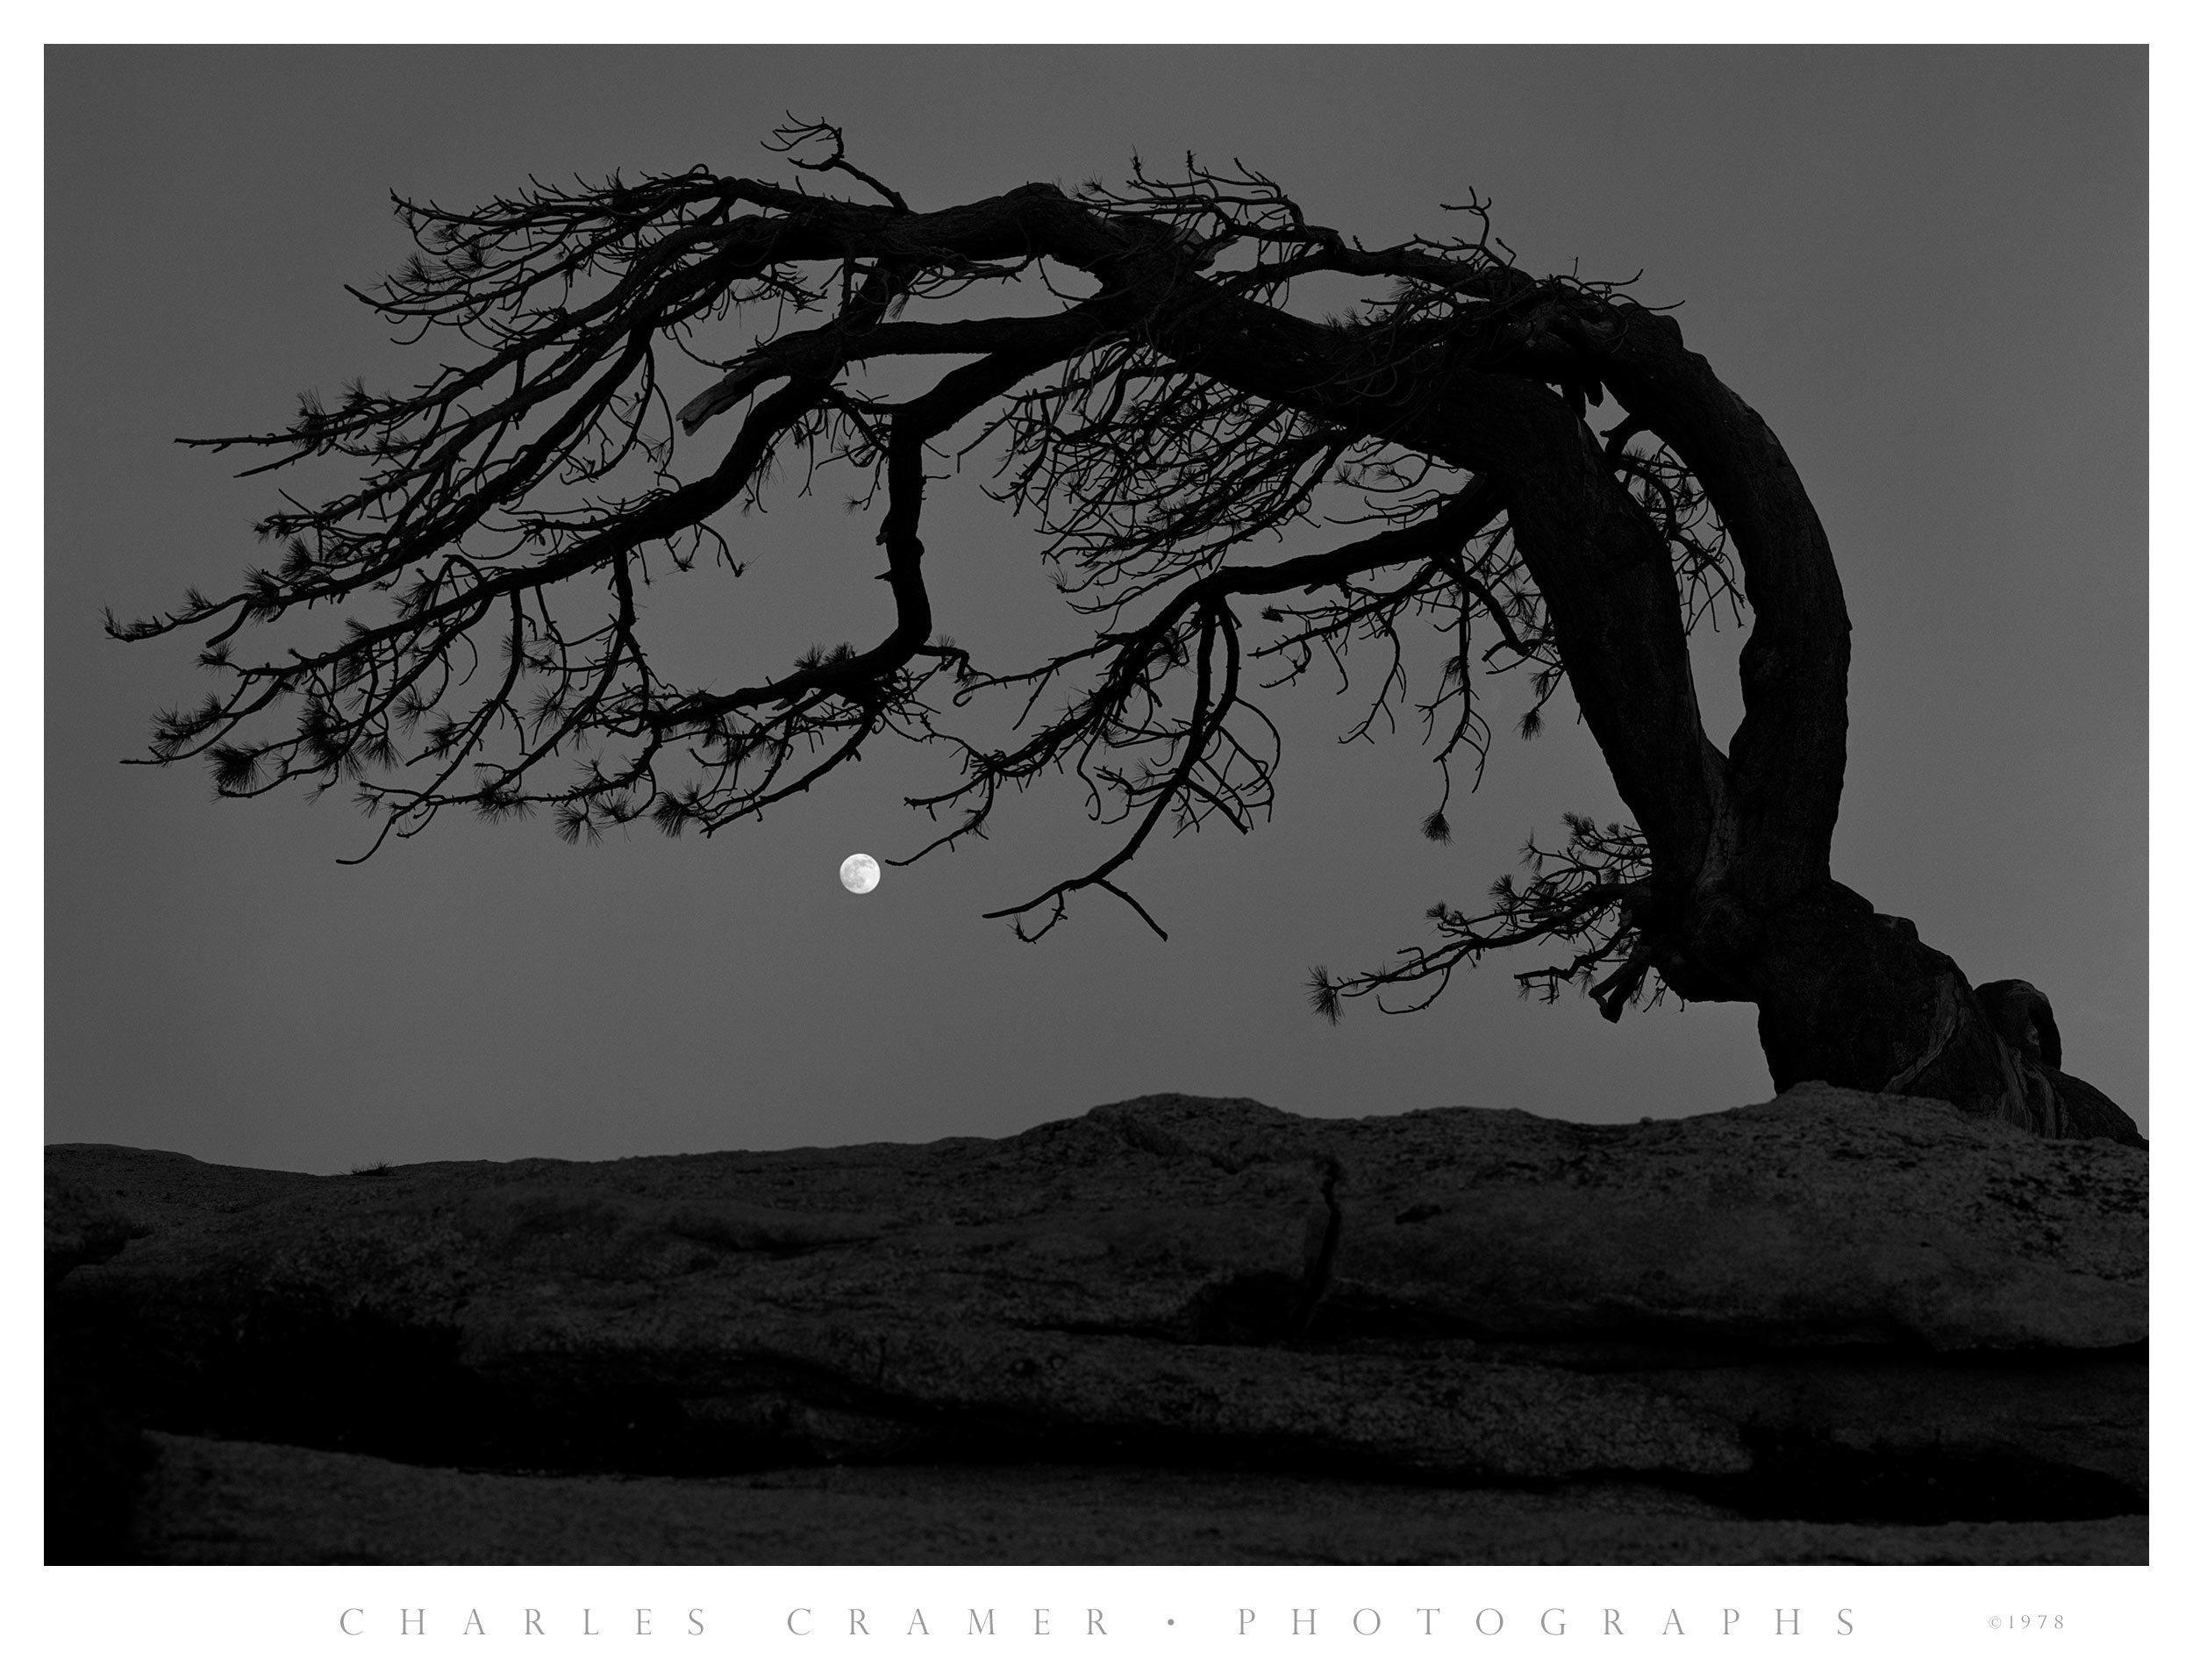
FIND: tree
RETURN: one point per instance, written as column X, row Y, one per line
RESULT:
column 1159, row 409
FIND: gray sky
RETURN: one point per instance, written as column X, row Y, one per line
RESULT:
column 1927, row 270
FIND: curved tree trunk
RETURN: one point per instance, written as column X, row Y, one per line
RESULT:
column 1845, row 994
column 1741, row 905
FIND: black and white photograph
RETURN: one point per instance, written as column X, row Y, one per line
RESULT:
column 1364, row 811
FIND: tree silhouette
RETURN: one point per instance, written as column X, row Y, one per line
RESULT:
column 1159, row 409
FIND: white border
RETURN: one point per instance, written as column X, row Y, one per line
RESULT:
column 95, row 1622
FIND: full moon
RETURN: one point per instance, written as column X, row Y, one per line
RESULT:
column 859, row 873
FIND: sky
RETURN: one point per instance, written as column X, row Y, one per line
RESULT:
column 1925, row 267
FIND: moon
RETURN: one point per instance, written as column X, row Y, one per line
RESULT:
column 860, row 873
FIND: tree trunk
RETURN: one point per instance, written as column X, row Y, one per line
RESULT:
column 1741, row 904
column 1854, row 997
column 1845, row 994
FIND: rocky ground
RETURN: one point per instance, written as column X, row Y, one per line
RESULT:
column 1835, row 1327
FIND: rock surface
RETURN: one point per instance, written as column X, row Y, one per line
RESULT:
column 1833, row 1309
column 244, row 1502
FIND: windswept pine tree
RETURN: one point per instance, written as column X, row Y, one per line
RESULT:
column 1534, row 475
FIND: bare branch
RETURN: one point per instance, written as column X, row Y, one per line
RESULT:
column 1166, row 426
